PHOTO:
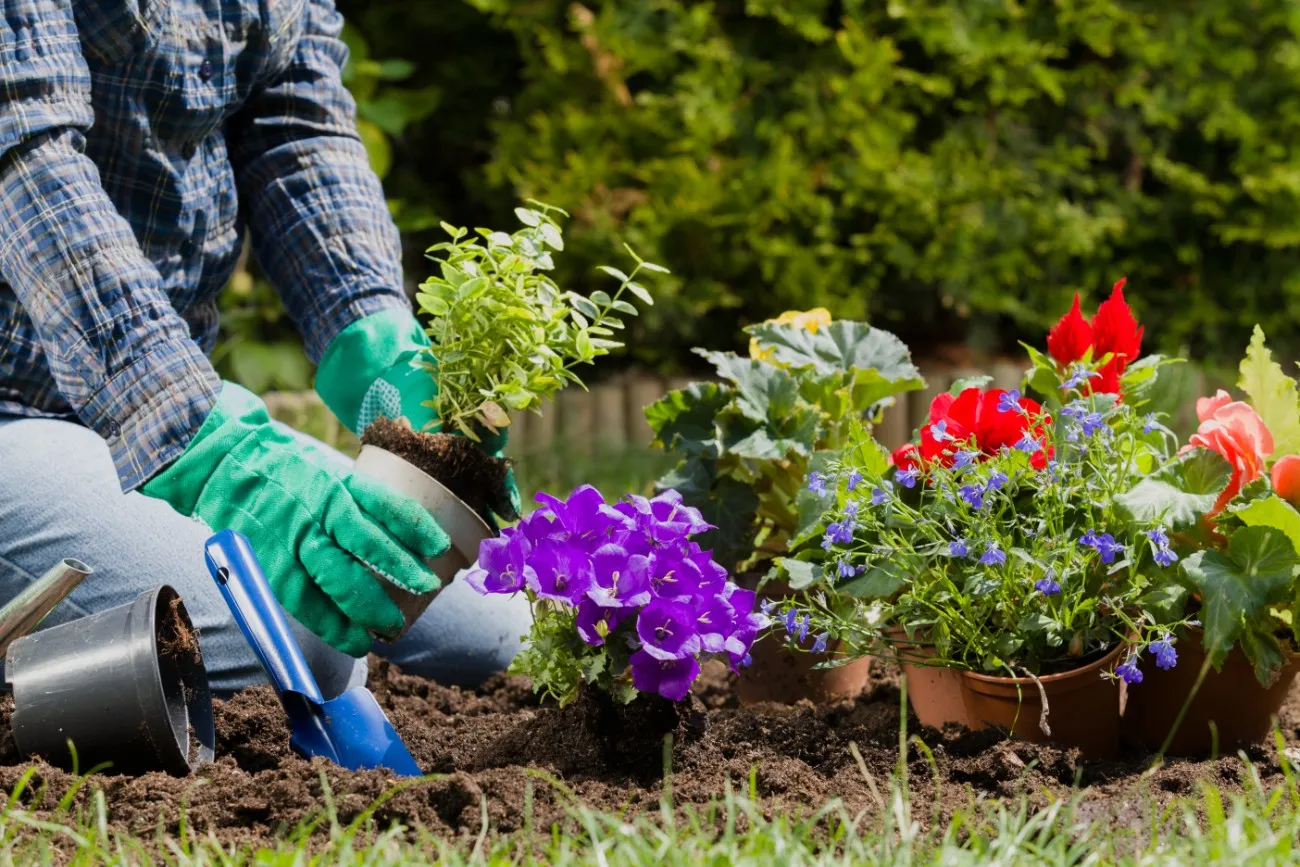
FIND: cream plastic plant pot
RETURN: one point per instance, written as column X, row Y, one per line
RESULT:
column 462, row 524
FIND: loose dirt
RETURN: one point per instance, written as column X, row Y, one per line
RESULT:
column 455, row 461
column 493, row 745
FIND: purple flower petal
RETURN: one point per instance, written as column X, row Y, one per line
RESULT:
column 621, row 579
column 670, row 678
column 595, row 623
column 667, row 629
column 563, row 572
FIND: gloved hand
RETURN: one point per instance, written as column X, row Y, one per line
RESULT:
column 379, row 366
column 317, row 532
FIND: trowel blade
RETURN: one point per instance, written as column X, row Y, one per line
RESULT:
column 363, row 737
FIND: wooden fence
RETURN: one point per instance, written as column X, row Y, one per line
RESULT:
column 611, row 415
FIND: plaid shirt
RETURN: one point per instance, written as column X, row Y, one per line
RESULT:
column 139, row 139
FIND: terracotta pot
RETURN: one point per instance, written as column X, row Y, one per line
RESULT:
column 934, row 692
column 463, row 525
column 779, row 674
column 1241, row 709
column 1083, row 707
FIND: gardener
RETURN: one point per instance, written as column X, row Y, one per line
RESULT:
column 138, row 140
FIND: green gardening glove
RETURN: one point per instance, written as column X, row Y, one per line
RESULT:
column 377, row 366
column 317, row 532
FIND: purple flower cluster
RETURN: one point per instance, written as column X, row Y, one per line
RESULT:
column 1104, row 544
column 629, row 563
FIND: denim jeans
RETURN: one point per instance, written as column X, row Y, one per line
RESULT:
column 60, row 497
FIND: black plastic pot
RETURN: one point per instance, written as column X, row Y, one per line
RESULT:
column 125, row 686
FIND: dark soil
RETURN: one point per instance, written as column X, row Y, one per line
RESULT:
column 455, row 461
column 495, row 744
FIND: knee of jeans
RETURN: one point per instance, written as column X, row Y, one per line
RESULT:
column 464, row 638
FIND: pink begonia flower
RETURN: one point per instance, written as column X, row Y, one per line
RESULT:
column 1235, row 431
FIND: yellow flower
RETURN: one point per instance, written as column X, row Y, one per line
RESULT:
column 811, row 320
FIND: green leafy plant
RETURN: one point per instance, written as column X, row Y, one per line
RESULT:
column 505, row 336
column 747, row 443
column 1247, row 576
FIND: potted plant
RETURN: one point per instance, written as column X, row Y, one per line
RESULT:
column 747, row 443
column 998, row 540
column 625, row 605
column 1237, row 515
column 504, row 337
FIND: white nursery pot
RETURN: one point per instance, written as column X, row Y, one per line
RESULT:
column 461, row 523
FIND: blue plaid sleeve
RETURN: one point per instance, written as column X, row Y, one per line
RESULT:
column 319, row 223
column 120, row 354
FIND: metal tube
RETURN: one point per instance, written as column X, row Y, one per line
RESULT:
column 26, row 610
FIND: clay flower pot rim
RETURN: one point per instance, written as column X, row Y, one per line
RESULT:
column 1095, row 665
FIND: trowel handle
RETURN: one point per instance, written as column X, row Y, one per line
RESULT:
column 235, row 568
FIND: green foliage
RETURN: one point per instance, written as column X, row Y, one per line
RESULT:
column 1004, row 562
column 559, row 663
column 747, row 444
column 1180, row 493
column 1273, row 394
column 505, row 336
column 1238, row 587
column 938, row 167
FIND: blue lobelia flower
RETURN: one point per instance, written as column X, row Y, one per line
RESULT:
column 1107, row 547
column 907, row 478
column 939, row 430
column 1165, row 557
column 851, row 508
column 803, row 627
column 845, row 569
column 973, row 495
column 879, row 496
column 1129, row 670
column 1159, row 536
column 1028, row 444
column 1091, row 423
column 1149, row 423
column 1048, row 585
column 958, row 548
column 1009, row 401
column 1075, row 410
column 996, row 480
column 963, row 459
column 817, row 483
column 1166, row 655
column 993, row 555
column 1078, row 376
column 819, row 645
column 855, row 479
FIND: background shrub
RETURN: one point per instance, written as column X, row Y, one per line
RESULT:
column 950, row 169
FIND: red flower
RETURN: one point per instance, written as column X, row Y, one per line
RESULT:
column 1107, row 379
column 1115, row 330
column 973, row 420
column 1112, row 331
column 1070, row 338
column 906, row 457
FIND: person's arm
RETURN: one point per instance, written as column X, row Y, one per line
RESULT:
column 318, row 218
column 120, row 354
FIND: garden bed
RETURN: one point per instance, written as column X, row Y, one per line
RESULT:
column 495, row 743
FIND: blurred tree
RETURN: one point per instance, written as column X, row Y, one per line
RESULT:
column 952, row 169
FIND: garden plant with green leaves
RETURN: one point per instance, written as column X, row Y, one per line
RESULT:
column 1241, row 522
column 1002, row 537
column 504, row 336
column 747, row 443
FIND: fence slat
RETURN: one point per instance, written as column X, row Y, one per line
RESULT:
column 641, row 392
column 609, row 417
